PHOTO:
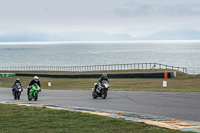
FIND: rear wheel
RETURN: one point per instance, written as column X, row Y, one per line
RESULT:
column 94, row 95
column 29, row 98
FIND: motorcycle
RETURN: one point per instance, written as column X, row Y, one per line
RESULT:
column 101, row 90
column 17, row 91
column 34, row 91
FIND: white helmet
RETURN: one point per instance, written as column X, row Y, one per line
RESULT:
column 36, row 78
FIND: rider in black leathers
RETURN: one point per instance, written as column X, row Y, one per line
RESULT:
column 14, row 84
column 35, row 80
column 103, row 77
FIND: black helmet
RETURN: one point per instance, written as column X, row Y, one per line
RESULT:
column 104, row 75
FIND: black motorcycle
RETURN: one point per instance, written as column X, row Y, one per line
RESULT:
column 17, row 91
column 101, row 90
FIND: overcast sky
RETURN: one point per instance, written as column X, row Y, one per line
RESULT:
column 133, row 17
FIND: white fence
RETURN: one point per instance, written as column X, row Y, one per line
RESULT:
column 131, row 66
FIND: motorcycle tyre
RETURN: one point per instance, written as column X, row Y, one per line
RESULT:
column 36, row 96
column 18, row 95
column 15, row 95
column 104, row 94
column 94, row 95
column 29, row 98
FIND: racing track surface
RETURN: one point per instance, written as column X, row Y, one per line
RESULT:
column 178, row 105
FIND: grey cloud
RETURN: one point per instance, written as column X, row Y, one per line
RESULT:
column 147, row 9
column 135, row 10
column 180, row 10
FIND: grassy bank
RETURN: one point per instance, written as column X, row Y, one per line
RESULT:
column 22, row 119
column 183, row 82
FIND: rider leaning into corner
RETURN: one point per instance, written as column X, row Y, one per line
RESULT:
column 103, row 77
column 35, row 80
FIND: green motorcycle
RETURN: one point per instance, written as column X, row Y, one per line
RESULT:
column 34, row 91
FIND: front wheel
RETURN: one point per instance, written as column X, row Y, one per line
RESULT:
column 36, row 96
column 15, row 95
column 104, row 94
column 18, row 95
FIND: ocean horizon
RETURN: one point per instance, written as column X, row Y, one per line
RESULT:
column 96, row 42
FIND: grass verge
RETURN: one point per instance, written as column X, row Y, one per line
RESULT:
column 183, row 82
column 22, row 119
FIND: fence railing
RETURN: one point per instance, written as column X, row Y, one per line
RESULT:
column 130, row 66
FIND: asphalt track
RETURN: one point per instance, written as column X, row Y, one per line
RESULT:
column 177, row 105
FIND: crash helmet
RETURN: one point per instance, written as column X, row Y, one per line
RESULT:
column 17, row 80
column 36, row 78
column 104, row 75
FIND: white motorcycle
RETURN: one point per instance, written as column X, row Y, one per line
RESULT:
column 101, row 90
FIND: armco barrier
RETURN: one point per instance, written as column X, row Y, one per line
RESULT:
column 110, row 75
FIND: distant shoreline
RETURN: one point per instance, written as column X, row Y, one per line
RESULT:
column 97, row 42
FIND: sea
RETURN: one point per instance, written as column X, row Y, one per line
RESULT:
column 174, row 53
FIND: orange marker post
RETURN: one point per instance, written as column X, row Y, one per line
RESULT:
column 165, row 75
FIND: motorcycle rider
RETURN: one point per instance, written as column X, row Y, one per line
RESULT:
column 103, row 77
column 15, row 84
column 35, row 80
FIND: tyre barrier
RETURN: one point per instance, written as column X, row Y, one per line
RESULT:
column 6, row 74
column 110, row 75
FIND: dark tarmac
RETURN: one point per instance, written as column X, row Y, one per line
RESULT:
column 177, row 105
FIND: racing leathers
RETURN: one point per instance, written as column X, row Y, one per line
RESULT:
column 100, row 81
column 15, row 85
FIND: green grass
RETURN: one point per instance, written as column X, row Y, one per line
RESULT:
column 183, row 82
column 22, row 119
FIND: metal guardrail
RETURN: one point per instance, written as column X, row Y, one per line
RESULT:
column 131, row 66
